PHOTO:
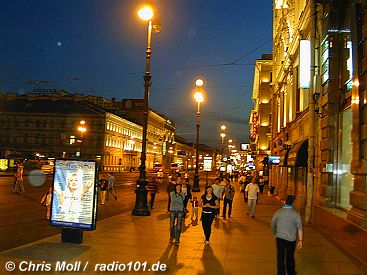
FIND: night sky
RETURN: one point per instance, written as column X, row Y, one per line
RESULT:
column 97, row 47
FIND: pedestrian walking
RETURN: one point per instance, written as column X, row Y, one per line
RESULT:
column 261, row 184
column 245, row 183
column 186, row 176
column 252, row 191
column 218, row 192
column 18, row 183
column 186, row 189
column 103, row 185
column 209, row 202
column 272, row 189
column 46, row 201
column 153, row 190
column 228, row 199
column 195, row 209
column 236, row 176
column 120, row 165
column 285, row 224
column 111, row 183
column 170, row 188
column 176, row 213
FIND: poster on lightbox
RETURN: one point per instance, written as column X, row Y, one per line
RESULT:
column 74, row 194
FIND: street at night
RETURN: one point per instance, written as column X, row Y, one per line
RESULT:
column 24, row 219
column 239, row 243
column 183, row 137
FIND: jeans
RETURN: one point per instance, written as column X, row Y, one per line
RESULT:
column 206, row 222
column 175, row 229
column 285, row 251
column 229, row 202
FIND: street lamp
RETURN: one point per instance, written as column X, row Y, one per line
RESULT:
column 199, row 97
column 82, row 129
column 222, row 135
column 132, row 144
column 141, row 204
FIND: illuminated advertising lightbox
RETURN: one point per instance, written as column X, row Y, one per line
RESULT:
column 304, row 64
column 3, row 164
column 208, row 163
column 74, row 196
column 274, row 160
column 244, row 146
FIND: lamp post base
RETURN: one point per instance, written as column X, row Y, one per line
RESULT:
column 141, row 203
column 195, row 186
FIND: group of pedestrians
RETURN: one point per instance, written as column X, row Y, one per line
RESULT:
column 106, row 187
column 286, row 223
column 179, row 194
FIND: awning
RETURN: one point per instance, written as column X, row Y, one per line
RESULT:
column 283, row 158
column 298, row 155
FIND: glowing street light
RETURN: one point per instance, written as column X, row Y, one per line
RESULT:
column 82, row 129
column 199, row 98
column 141, row 206
column 146, row 13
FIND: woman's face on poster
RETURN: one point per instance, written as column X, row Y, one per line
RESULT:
column 73, row 182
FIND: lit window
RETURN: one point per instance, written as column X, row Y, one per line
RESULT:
column 72, row 140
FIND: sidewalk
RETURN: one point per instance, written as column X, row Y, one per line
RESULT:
column 239, row 245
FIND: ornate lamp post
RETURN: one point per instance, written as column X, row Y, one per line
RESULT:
column 199, row 98
column 141, row 205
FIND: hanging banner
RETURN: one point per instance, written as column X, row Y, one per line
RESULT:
column 304, row 64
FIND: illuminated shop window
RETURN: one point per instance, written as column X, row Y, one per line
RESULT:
column 72, row 140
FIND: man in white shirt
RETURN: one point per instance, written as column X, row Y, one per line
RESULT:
column 252, row 191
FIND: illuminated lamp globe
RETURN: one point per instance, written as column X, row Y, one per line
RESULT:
column 199, row 82
column 146, row 13
column 199, row 97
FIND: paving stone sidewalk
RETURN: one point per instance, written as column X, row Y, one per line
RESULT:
column 239, row 245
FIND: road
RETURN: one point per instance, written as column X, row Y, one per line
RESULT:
column 23, row 219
